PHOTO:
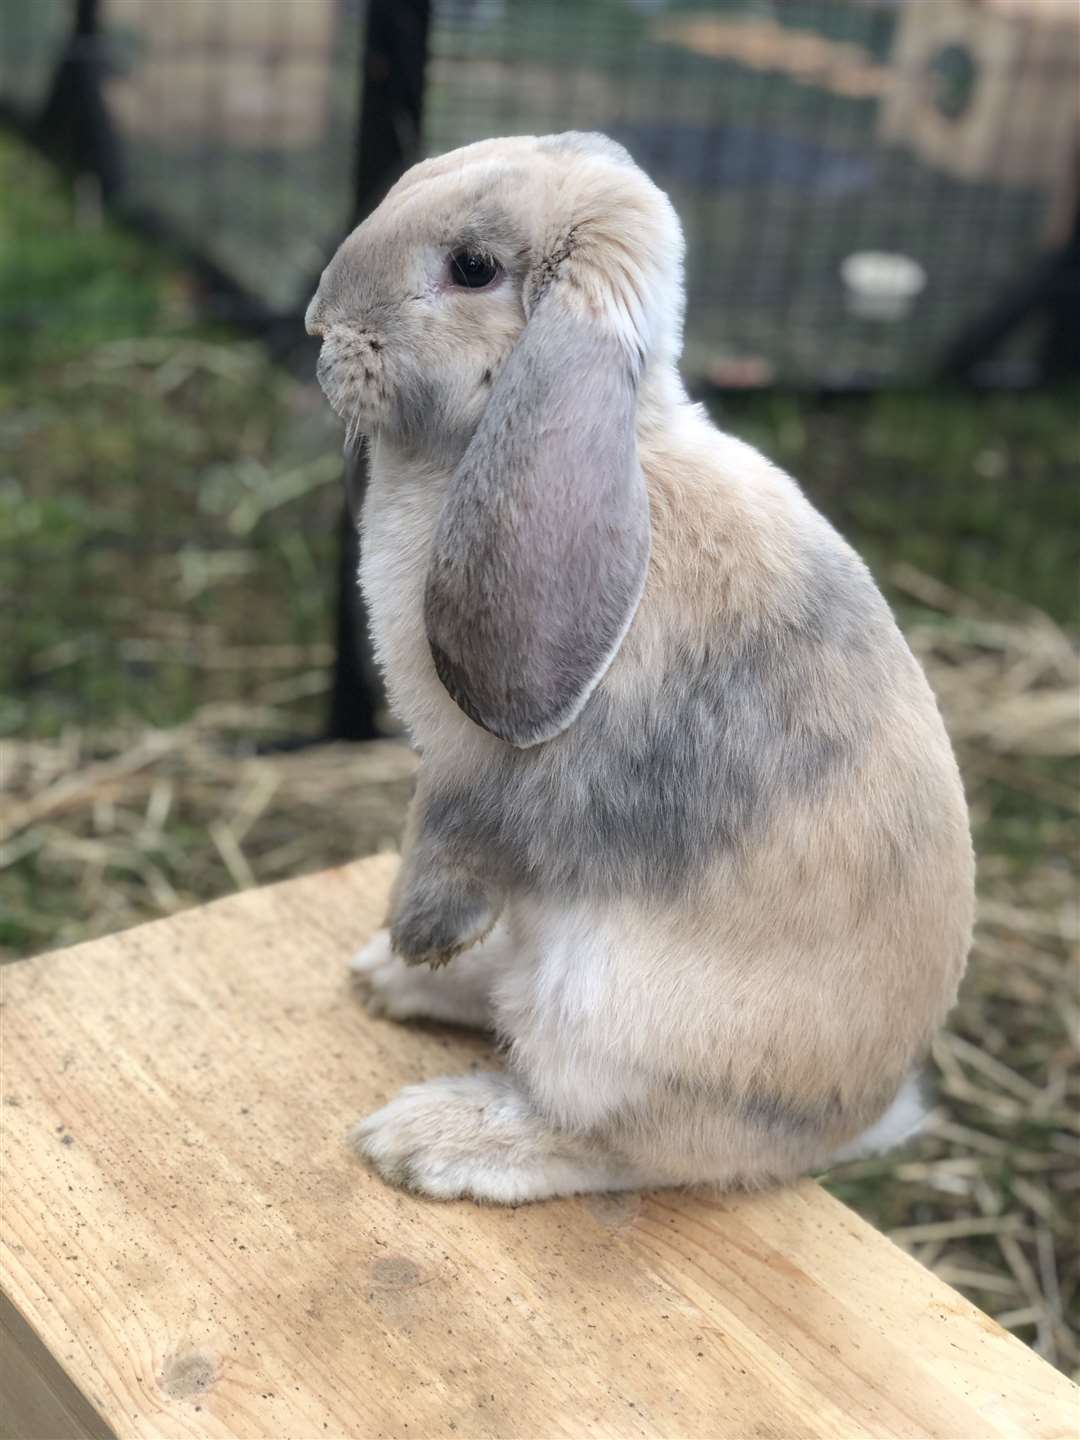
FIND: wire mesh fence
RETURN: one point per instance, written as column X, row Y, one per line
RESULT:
column 862, row 182
column 869, row 187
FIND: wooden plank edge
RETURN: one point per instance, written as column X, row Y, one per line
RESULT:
column 38, row 1398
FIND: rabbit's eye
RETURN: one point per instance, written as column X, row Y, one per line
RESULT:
column 471, row 270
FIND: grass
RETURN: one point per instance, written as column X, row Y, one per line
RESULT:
column 163, row 485
column 168, row 504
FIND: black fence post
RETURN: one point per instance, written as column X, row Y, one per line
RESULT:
column 1061, row 346
column 395, row 54
column 391, row 111
column 74, row 126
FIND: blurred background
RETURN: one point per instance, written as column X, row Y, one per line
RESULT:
column 881, row 206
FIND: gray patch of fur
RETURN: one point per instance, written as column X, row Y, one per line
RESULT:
column 439, row 911
column 540, row 556
column 762, row 1107
column 642, row 797
column 780, row 1116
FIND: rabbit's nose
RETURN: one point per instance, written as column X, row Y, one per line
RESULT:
column 314, row 323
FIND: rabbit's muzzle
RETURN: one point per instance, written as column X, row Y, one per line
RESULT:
column 350, row 371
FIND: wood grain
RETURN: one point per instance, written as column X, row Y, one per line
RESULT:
column 194, row 1252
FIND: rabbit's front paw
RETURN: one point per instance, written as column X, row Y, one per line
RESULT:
column 398, row 991
column 437, row 921
column 478, row 1137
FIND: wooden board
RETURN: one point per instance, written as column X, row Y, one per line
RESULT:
column 189, row 1248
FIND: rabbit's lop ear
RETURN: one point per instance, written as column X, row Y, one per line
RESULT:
column 539, row 560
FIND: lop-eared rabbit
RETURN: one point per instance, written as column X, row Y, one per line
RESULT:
column 687, row 823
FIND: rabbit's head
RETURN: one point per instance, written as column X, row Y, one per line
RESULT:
column 495, row 318
column 422, row 305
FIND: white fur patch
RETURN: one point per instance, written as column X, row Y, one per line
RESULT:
column 456, row 996
column 903, row 1119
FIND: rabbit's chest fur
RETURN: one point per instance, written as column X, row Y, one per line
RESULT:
column 401, row 511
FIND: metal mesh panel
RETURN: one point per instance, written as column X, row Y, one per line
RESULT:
column 791, row 137
column 860, row 180
column 238, row 121
column 32, row 36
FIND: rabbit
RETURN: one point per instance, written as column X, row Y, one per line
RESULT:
column 688, row 834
